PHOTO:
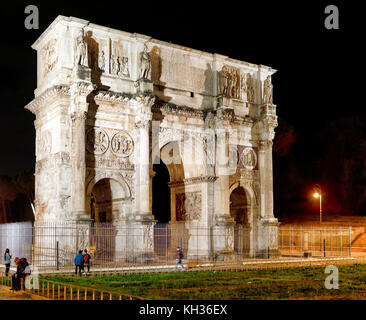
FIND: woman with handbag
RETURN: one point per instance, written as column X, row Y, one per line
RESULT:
column 7, row 259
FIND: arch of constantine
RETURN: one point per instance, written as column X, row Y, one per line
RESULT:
column 112, row 106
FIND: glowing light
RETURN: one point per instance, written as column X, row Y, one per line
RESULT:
column 316, row 195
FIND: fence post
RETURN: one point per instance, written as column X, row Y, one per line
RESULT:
column 57, row 256
column 350, row 240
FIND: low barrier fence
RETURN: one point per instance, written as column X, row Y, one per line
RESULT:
column 63, row 291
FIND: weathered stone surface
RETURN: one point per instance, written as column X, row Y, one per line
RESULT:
column 108, row 102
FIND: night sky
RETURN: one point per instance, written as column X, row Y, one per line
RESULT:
column 316, row 81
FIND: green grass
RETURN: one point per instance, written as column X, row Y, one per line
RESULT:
column 248, row 284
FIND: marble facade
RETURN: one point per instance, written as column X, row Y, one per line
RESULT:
column 108, row 104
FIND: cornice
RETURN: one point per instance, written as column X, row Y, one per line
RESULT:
column 182, row 111
column 63, row 90
column 194, row 180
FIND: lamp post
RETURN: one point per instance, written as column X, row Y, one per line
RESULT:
column 318, row 194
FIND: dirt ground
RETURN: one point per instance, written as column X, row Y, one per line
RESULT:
column 7, row 294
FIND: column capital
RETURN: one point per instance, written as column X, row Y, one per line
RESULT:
column 82, row 88
column 78, row 115
column 265, row 144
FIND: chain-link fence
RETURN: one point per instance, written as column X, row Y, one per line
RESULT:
column 315, row 241
column 54, row 245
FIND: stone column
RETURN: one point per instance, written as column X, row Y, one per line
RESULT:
column 144, row 220
column 268, row 228
column 223, row 231
column 79, row 91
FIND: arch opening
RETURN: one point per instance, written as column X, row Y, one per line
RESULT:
column 239, row 206
column 161, row 192
column 105, row 200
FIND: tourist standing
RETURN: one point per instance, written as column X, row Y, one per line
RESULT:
column 7, row 259
column 15, row 279
column 179, row 258
column 79, row 261
column 87, row 258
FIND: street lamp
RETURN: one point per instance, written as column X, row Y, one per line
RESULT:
column 318, row 194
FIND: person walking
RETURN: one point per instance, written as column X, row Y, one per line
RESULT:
column 7, row 260
column 179, row 258
column 79, row 261
column 86, row 257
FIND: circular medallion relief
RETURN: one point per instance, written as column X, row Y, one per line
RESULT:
column 248, row 158
column 122, row 144
column 97, row 141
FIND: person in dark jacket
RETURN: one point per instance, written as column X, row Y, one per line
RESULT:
column 7, row 260
column 16, row 277
column 23, row 266
column 179, row 258
column 87, row 258
column 79, row 262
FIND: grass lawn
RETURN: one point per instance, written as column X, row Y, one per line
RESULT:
column 289, row 283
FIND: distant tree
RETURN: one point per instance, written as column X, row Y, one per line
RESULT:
column 8, row 192
column 24, row 183
column 285, row 137
column 343, row 166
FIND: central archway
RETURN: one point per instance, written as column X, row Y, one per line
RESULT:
column 106, row 196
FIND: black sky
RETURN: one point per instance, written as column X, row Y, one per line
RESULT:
column 317, row 68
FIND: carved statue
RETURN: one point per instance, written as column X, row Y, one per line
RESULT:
column 124, row 67
column 234, row 90
column 224, row 77
column 81, row 53
column 250, row 89
column 101, row 61
column 243, row 87
column 145, row 64
column 267, row 91
column 114, row 65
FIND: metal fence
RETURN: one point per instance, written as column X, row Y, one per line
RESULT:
column 53, row 246
column 315, row 241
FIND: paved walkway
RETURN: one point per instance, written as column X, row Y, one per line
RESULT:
column 7, row 294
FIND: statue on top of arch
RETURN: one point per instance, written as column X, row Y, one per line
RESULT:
column 81, row 51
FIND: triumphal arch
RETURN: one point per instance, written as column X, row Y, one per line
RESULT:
column 111, row 106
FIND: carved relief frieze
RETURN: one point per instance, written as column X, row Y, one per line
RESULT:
column 230, row 83
column 44, row 144
column 248, row 158
column 49, row 57
column 97, row 141
column 122, row 144
column 109, row 163
column 188, row 206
